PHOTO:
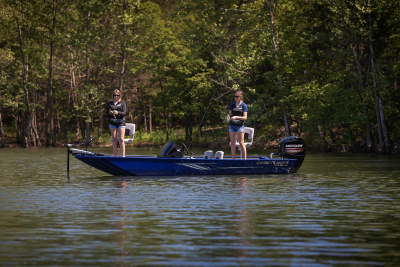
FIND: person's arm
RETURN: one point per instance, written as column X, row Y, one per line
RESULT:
column 123, row 112
column 229, row 117
column 109, row 110
column 244, row 117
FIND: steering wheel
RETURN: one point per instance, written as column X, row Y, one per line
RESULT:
column 183, row 148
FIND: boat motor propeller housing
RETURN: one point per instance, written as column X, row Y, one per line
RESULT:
column 292, row 148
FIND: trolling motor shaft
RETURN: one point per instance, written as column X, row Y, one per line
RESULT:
column 75, row 151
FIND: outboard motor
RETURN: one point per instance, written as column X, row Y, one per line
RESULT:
column 169, row 151
column 292, row 148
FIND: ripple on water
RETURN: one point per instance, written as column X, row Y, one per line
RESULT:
column 340, row 209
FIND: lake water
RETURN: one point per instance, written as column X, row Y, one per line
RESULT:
column 341, row 209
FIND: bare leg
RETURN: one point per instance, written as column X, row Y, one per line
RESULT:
column 232, row 136
column 121, row 135
column 242, row 146
column 115, row 140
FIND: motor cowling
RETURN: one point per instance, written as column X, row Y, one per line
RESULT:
column 292, row 148
column 169, row 150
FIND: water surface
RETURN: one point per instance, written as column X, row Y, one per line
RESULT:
column 341, row 209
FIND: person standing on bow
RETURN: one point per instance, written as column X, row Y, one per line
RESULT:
column 116, row 112
column 237, row 116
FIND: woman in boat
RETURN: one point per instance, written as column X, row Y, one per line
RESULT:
column 116, row 112
column 237, row 116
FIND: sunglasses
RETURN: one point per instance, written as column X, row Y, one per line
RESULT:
column 116, row 95
column 237, row 95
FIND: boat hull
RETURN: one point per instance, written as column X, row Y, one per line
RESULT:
column 153, row 166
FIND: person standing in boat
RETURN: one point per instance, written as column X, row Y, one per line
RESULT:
column 116, row 112
column 237, row 116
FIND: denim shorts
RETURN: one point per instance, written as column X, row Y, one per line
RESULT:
column 115, row 127
column 236, row 129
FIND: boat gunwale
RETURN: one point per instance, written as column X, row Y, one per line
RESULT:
column 263, row 158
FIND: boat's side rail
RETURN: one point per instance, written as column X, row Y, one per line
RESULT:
column 75, row 151
column 226, row 157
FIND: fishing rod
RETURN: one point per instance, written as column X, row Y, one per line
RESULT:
column 198, row 128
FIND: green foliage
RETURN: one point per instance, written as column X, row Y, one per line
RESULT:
column 178, row 52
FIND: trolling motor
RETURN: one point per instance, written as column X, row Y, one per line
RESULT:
column 291, row 148
column 75, row 151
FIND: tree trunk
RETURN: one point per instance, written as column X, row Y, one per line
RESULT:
column 57, row 127
column 33, row 139
column 25, row 86
column 70, row 97
column 190, row 126
column 137, row 123
column 166, row 124
column 271, row 8
column 49, row 106
column 205, row 131
column 87, row 81
column 145, row 119
column 332, row 134
column 279, row 128
column 150, row 118
column 384, row 136
column 131, row 116
column 186, row 127
column 121, row 75
column 34, row 123
column 321, row 134
column 298, row 128
column 100, row 131
column 27, row 135
column 1, row 132
column 83, row 129
column 35, row 131
column 77, row 117
column 16, row 123
column 361, row 81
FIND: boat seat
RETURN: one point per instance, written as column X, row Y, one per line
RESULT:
column 208, row 154
column 129, row 133
column 248, row 135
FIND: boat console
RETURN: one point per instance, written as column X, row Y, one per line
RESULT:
column 292, row 148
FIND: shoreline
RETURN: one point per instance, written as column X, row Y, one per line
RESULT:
column 258, row 143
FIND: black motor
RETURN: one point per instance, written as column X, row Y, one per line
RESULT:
column 169, row 150
column 292, row 148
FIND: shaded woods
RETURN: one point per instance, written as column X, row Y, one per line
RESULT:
column 325, row 70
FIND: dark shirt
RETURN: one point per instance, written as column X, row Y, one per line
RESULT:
column 121, row 108
column 238, row 111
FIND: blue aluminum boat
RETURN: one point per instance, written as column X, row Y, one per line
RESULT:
column 154, row 166
column 172, row 162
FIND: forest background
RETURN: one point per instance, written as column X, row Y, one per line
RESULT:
column 327, row 71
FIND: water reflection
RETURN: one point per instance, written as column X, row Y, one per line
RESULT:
column 243, row 226
column 119, row 214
